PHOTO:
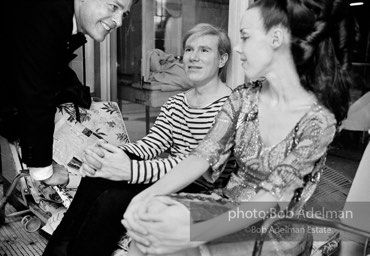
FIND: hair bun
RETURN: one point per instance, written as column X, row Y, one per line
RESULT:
column 313, row 21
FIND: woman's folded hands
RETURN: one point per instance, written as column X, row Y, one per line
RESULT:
column 159, row 224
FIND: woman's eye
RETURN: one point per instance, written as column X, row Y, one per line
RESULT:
column 204, row 50
column 187, row 50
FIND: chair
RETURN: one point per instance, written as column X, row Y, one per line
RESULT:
column 356, row 230
column 358, row 118
column 13, row 155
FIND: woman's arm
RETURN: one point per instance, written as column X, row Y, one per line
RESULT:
column 181, row 176
column 188, row 170
column 170, row 229
column 236, row 219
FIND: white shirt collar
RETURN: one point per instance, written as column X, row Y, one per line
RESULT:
column 74, row 28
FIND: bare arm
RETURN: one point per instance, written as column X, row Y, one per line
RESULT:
column 181, row 176
column 173, row 218
column 235, row 219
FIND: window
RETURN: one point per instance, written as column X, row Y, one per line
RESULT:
column 161, row 24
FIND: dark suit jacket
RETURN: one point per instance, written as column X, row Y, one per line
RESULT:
column 37, row 33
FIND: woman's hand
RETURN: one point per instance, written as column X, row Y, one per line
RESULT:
column 168, row 227
column 106, row 161
column 131, row 222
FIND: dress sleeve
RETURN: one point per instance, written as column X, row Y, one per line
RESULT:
column 219, row 141
column 312, row 140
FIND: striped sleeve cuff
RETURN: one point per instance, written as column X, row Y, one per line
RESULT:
column 144, row 172
column 151, row 171
column 134, row 172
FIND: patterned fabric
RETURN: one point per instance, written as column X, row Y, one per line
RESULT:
column 179, row 127
column 278, row 169
column 103, row 118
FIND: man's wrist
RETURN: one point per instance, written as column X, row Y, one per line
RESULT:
column 41, row 173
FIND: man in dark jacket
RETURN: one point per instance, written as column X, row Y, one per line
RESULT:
column 40, row 38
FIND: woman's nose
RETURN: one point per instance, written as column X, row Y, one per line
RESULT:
column 237, row 48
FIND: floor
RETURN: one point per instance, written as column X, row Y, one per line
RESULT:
column 14, row 240
column 344, row 156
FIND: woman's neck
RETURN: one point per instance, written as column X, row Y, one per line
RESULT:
column 203, row 94
column 283, row 87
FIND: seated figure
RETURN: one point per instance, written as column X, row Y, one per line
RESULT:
column 278, row 130
column 114, row 175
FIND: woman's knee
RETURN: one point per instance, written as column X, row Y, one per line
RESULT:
column 134, row 251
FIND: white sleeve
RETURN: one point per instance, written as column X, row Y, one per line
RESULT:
column 41, row 173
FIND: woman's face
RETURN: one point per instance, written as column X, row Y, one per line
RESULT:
column 256, row 52
column 201, row 58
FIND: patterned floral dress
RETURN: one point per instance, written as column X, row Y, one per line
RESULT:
column 279, row 169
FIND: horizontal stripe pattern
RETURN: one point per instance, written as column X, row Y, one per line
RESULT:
column 178, row 128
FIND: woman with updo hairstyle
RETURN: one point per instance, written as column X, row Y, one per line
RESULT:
column 322, row 36
column 278, row 127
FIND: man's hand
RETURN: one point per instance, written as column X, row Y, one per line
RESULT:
column 59, row 177
column 106, row 161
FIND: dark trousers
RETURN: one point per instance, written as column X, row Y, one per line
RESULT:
column 92, row 224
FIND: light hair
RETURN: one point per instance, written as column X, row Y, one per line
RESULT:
column 224, row 44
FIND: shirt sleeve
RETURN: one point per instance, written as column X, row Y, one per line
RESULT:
column 41, row 173
column 158, row 139
column 312, row 142
column 149, row 171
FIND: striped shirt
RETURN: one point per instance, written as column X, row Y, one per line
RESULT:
column 179, row 127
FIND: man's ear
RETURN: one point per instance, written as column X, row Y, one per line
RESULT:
column 223, row 59
column 277, row 37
